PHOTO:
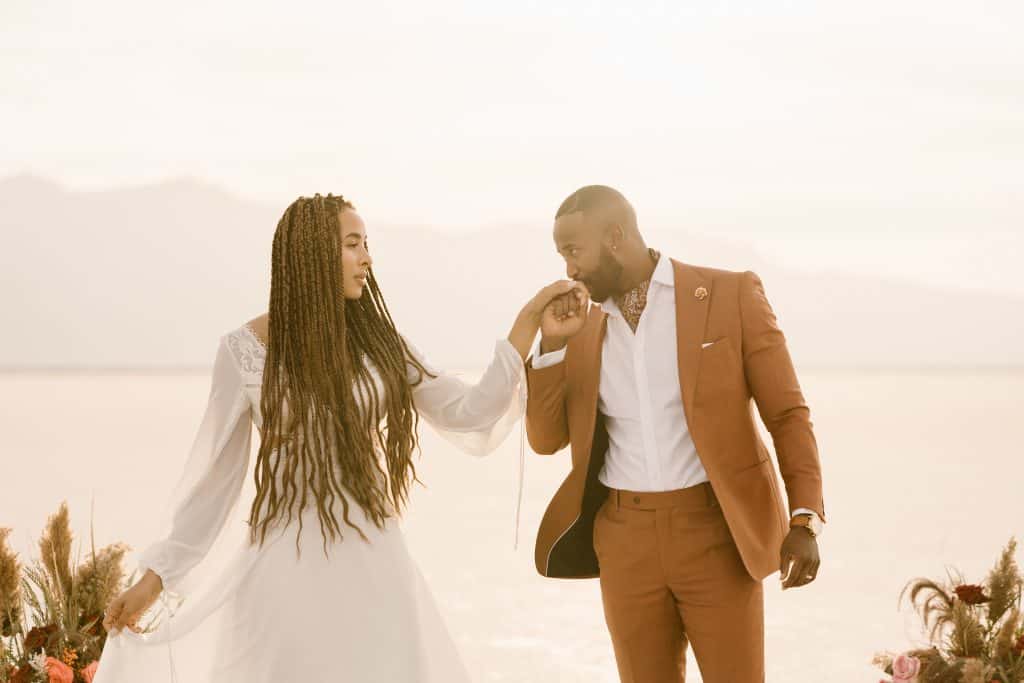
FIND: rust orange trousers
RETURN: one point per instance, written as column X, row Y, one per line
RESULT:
column 671, row 576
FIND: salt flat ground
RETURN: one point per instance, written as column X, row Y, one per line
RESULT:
column 922, row 470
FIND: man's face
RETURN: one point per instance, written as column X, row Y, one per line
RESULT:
column 588, row 258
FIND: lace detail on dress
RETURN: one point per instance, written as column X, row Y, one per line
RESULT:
column 249, row 352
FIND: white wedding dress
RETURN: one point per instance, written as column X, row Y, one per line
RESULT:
column 236, row 613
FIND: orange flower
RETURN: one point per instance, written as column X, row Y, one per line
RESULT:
column 58, row 671
column 89, row 672
column 70, row 657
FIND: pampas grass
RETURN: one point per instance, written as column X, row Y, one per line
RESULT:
column 932, row 602
column 976, row 631
column 55, row 550
column 99, row 579
column 10, row 587
column 55, row 603
column 1004, row 583
column 967, row 637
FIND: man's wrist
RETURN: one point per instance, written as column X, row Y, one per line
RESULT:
column 808, row 520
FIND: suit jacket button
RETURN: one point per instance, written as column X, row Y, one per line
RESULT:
column 636, row 499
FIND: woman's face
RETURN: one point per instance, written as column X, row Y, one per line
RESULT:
column 355, row 257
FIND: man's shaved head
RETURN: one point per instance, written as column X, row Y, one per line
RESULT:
column 600, row 205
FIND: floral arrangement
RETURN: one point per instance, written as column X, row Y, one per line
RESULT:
column 975, row 631
column 51, row 612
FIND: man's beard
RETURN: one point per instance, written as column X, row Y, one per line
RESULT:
column 604, row 281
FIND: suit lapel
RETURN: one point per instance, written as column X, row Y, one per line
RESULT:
column 691, row 316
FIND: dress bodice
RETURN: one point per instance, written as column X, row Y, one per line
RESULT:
column 250, row 355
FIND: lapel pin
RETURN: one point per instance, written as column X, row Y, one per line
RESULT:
column 701, row 293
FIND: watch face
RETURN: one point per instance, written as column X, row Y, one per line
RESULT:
column 809, row 522
column 816, row 525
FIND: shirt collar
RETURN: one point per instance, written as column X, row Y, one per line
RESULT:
column 611, row 308
column 663, row 272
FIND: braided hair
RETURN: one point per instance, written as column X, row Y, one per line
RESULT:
column 317, row 436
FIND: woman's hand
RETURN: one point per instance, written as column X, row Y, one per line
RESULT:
column 573, row 297
column 128, row 607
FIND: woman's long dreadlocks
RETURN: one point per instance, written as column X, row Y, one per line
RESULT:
column 316, row 436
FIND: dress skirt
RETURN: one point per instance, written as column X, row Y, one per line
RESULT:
column 362, row 614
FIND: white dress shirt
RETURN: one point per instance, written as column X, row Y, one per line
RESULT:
column 649, row 442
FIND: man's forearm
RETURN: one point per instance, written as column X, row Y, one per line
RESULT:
column 546, row 425
column 773, row 383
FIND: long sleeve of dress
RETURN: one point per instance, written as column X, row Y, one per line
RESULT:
column 209, row 487
column 475, row 417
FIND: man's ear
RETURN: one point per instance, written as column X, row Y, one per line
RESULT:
column 616, row 235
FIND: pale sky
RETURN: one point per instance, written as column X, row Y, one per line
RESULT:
column 875, row 137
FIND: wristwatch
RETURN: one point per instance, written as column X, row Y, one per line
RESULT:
column 810, row 522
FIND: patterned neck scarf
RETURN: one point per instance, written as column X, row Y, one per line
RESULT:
column 632, row 303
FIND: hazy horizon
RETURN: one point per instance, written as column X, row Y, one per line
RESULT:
column 91, row 285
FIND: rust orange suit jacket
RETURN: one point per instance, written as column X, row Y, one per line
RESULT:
column 747, row 366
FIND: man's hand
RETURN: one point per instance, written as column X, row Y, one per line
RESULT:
column 799, row 559
column 563, row 317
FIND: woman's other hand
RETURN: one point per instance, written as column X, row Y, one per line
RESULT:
column 128, row 607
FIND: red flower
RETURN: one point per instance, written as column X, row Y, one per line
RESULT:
column 38, row 637
column 971, row 594
column 22, row 675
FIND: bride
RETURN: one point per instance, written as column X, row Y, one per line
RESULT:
column 336, row 394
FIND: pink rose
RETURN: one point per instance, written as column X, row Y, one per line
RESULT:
column 90, row 671
column 905, row 669
column 58, row 671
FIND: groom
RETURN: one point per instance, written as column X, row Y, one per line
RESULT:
column 672, row 498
